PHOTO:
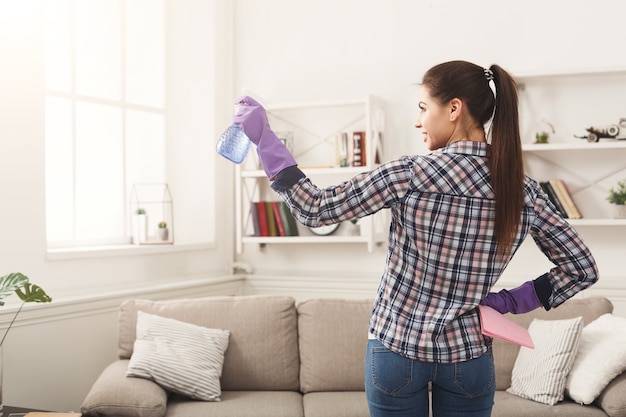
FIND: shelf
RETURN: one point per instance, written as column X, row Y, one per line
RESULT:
column 589, row 169
column 311, row 131
column 597, row 222
column 583, row 145
column 366, row 237
column 570, row 100
column 304, row 239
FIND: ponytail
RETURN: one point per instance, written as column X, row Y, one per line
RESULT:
column 507, row 168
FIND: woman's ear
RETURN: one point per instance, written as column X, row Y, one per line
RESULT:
column 456, row 107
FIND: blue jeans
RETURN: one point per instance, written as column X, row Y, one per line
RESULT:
column 398, row 386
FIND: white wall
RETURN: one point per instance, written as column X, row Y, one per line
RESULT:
column 191, row 123
column 52, row 360
column 330, row 50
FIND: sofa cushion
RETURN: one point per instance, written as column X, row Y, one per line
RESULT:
column 539, row 374
column 505, row 353
column 181, row 357
column 600, row 358
column 240, row 404
column 263, row 348
column 333, row 342
column 113, row 394
column 612, row 400
column 509, row 405
column 344, row 404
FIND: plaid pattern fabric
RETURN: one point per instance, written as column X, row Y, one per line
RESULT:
column 441, row 259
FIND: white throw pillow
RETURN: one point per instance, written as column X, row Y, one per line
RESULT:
column 539, row 374
column 181, row 357
column 601, row 357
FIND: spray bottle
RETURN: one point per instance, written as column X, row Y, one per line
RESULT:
column 234, row 144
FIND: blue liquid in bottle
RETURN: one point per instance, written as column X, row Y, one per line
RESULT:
column 234, row 144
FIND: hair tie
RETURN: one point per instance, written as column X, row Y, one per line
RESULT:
column 488, row 74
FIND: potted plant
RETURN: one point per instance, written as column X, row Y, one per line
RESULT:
column 542, row 137
column 18, row 283
column 617, row 196
column 162, row 231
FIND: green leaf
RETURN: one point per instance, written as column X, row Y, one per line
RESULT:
column 10, row 283
column 17, row 283
column 33, row 293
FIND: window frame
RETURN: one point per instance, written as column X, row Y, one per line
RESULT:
column 121, row 105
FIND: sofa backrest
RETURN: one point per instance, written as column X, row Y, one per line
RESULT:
column 262, row 350
column 505, row 353
column 333, row 342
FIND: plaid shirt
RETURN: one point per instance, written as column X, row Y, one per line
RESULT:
column 441, row 259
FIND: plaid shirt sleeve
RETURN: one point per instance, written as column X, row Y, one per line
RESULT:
column 441, row 254
column 358, row 197
column 575, row 268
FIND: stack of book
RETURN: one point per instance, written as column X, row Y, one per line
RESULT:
column 272, row 218
column 559, row 195
column 351, row 148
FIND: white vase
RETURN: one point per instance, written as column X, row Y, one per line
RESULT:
column 140, row 232
column 619, row 211
column 162, row 233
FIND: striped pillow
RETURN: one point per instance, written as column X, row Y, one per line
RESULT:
column 181, row 357
column 539, row 374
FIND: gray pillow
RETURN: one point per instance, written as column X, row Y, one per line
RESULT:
column 115, row 395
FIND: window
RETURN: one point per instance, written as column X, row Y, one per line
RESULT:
column 105, row 115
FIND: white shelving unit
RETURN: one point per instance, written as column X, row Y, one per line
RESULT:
column 588, row 169
column 571, row 101
column 313, row 129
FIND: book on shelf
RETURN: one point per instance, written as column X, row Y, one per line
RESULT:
column 351, row 149
column 549, row 190
column 272, row 218
column 358, row 149
column 566, row 199
column 279, row 219
column 263, row 225
column 289, row 222
column 557, row 191
column 342, row 149
column 254, row 215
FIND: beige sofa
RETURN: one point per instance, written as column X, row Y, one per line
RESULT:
column 304, row 360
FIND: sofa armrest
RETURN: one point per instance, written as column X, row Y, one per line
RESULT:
column 613, row 398
column 115, row 394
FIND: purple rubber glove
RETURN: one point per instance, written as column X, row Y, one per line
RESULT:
column 272, row 152
column 527, row 297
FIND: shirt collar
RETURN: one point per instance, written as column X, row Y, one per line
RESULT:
column 466, row 147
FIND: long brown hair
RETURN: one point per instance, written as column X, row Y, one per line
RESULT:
column 470, row 83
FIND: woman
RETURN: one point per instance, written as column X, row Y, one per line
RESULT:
column 458, row 216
